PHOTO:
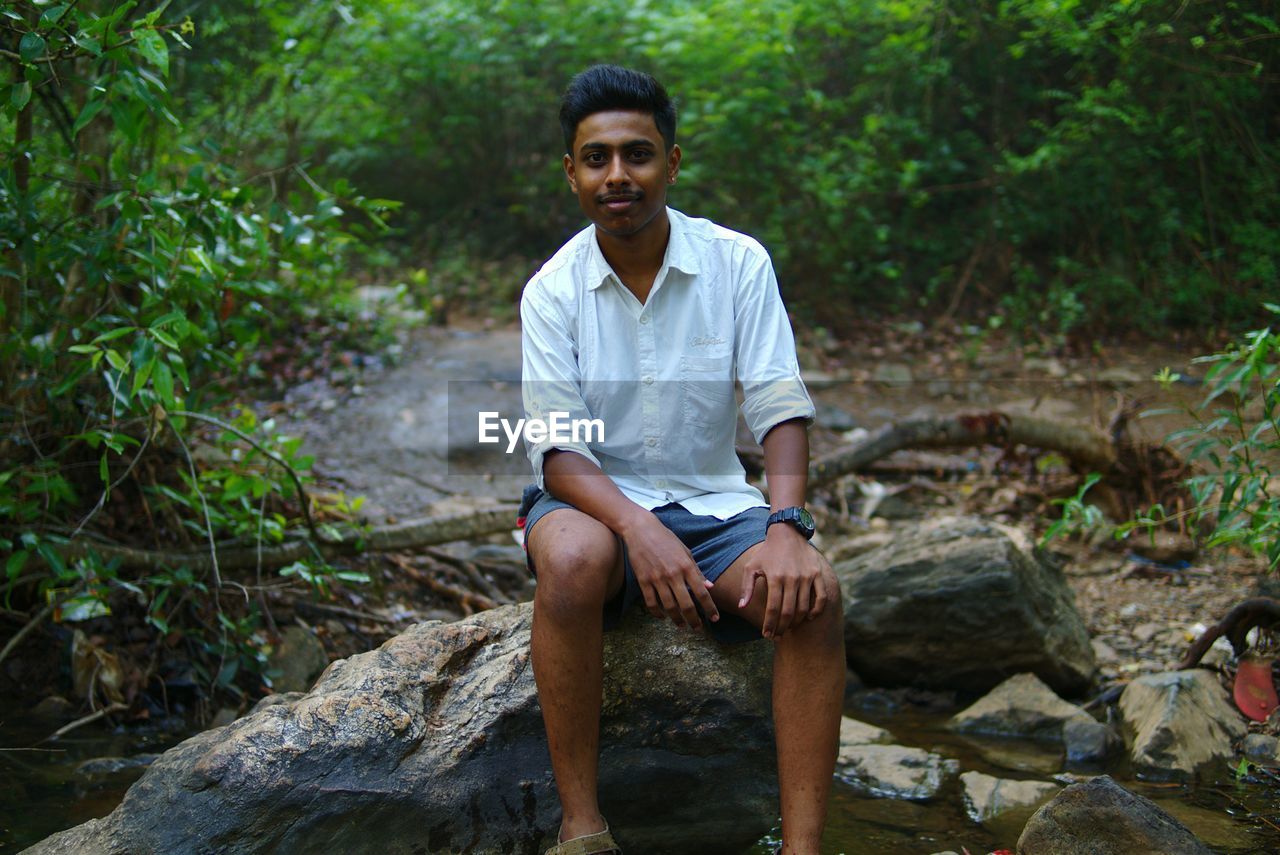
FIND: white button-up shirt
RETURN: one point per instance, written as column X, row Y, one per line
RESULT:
column 659, row 376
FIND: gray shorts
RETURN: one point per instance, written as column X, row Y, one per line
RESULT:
column 715, row 544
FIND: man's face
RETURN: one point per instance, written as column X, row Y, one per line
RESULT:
column 620, row 170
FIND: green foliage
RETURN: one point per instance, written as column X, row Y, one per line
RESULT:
column 1235, row 443
column 1078, row 516
column 141, row 268
column 1103, row 162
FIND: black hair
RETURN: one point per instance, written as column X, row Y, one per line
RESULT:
column 611, row 87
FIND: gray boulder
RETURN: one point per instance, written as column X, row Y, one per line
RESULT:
column 1178, row 722
column 434, row 743
column 962, row 603
column 1100, row 817
column 1021, row 706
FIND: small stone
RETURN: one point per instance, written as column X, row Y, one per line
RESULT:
column 1088, row 742
column 1144, row 632
column 105, row 767
column 296, row 661
column 1021, row 706
column 895, row 771
column 1103, row 652
column 893, row 374
column 987, row 797
column 54, row 707
column 1262, row 749
column 224, row 717
column 854, row 732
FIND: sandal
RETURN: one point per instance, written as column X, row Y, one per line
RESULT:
column 599, row 843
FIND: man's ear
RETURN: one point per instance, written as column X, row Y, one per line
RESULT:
column 570, row 173
column 673, row 164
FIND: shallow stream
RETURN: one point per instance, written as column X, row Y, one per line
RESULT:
column 43, row 791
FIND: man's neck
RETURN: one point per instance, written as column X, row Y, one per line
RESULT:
column 637, row 258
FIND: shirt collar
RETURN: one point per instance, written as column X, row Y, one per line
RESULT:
column 680, row 254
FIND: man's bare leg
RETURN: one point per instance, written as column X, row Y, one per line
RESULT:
column 808, row 698
column 579, row 566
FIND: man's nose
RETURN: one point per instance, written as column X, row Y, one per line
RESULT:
column 617, row 171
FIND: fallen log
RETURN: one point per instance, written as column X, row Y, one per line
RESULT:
column 1258, row 611
column 1085, row 446
column 411, row 534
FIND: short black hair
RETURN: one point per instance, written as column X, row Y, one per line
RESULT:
column 611, row 87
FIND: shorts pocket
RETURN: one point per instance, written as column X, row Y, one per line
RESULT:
column 706, row 389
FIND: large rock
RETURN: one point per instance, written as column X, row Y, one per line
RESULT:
column 1102, row 818
column 961, row 603
column 1021, row 706
column 1178, row 722
column 434, row 743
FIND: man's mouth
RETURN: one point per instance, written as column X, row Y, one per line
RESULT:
column 619, row 202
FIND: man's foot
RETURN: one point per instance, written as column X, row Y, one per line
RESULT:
column 598, row 842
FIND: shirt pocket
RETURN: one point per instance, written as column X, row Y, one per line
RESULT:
column 706, row 390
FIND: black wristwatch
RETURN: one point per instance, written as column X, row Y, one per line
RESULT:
column 796, row 516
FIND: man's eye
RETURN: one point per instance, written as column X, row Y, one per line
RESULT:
column 595, row 159
column 641, row 154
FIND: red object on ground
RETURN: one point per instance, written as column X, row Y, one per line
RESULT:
column 1255, row 691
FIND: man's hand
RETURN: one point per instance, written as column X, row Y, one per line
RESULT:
column 669, row 577
column 792, row 574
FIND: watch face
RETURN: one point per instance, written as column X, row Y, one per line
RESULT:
column 806, row 519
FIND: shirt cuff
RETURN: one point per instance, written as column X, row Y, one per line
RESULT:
column 538, row 454
column 767, row 405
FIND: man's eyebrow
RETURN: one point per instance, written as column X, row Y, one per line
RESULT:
column 636, row 143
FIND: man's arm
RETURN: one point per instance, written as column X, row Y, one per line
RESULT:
column 668, row 576
column 790, row 569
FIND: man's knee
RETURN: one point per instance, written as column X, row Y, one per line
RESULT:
column 574, row 573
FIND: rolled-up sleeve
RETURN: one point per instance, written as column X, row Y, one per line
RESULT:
column 550, row 378
column 765, row 353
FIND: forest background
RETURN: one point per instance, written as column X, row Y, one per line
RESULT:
column 188, row 185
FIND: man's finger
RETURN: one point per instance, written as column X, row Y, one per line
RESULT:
column 748, row 589
column 669, row 606
column 687, row 609
column 788, row 611
column 819, row 597
column 701, row 590
column 803, row 591
column 772, row 606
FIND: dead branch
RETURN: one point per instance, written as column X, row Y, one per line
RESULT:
column 26, row 630
column 328, row 610
column 1083, row 445
column 472, row 573
column 411, row 534
column 89, row 719
column 470, row 602
column 1256, row 612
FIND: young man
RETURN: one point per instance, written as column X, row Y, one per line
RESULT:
column 643, row 321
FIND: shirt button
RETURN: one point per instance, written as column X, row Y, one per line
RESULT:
column 644, row 319
column 648, row 380
column 651, row 441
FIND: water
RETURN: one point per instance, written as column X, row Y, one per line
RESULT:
column 47, row 790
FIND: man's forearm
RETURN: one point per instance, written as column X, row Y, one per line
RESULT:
column 786, row 463
column 574, row 479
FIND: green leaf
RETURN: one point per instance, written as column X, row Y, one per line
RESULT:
column 117, row 361
column 162, row 379
column 164, row 338
column 112, row 335
column 32, row 47
column 88, row 113
column 20, row 94
column 83, row 348
column 52, row 15
column 104, row 470
column 151, row 45
column 143, row 373
column 16, row 562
